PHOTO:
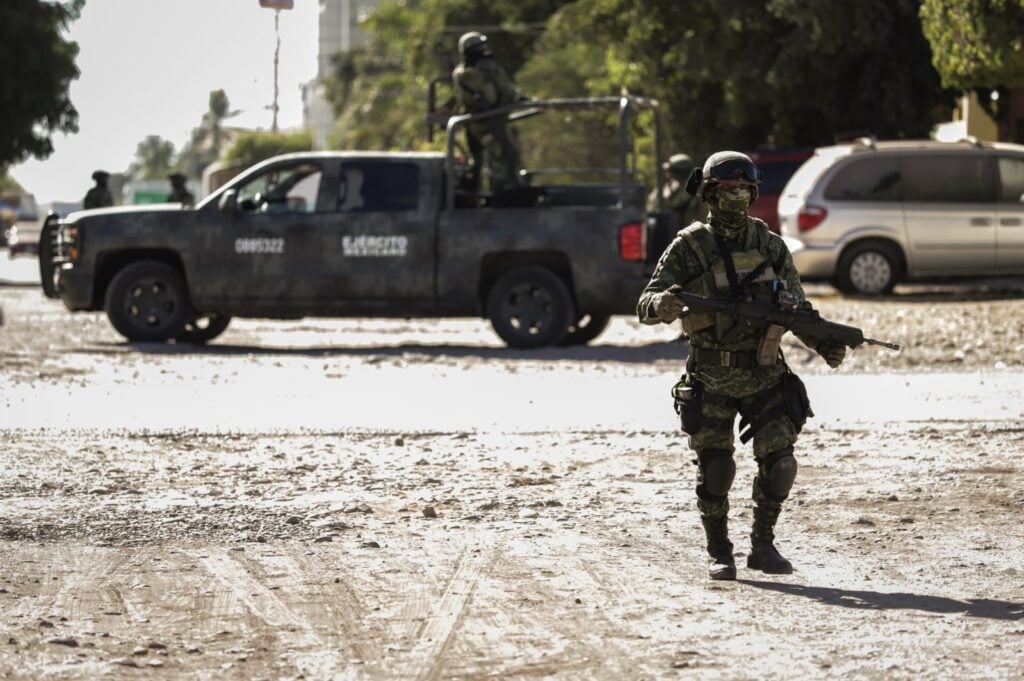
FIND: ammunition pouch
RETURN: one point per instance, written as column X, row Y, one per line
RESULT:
column 688, row 396
column 795, row 400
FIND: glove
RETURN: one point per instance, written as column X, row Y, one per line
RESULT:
column 833, row 352
column 667, row 306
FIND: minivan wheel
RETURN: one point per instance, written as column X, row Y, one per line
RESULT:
column 148, row 301
column 530, row 307
column 871, row 269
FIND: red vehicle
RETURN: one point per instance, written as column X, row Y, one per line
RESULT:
column 776, row 168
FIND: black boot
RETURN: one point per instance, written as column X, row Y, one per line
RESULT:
column 721, row 566
column 763, row 554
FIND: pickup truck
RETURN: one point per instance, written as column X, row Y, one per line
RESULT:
column 366, row 234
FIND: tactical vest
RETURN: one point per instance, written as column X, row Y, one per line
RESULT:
column 713, row 281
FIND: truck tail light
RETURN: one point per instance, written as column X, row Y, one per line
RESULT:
column 633, row 242
column 810, row 217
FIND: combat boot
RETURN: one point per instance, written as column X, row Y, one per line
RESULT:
column 763, row 554
column 721, row 565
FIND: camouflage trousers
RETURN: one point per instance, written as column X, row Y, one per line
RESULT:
column 493, row 148
column 775, row 432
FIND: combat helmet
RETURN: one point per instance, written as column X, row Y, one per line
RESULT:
column 679, row 166
column 724, row 165
column 474, row 44
column 100, row 176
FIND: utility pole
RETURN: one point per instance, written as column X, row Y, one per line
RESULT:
column 277, row 6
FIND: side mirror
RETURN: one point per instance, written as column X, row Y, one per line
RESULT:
column 228, row 201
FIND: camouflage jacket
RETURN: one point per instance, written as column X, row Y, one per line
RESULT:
column 692, row 261
column 482, row 86
column 97, row 197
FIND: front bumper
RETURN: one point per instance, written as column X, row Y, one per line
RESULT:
column 74, row 288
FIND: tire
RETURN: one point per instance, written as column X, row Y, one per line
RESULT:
column 871, row 268
column 203, row 328
column 530, row 307
column 148, row 301
column 586, row 328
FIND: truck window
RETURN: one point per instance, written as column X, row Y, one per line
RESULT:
column 291, row 189
column 379, row 186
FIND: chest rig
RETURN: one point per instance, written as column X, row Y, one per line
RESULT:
column 742, row 270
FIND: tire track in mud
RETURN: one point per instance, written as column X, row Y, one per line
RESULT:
column 427, row 659
column 273, row 617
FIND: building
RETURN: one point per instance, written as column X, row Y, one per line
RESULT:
column 341, row 30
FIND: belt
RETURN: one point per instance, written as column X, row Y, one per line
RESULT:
column 723, row 358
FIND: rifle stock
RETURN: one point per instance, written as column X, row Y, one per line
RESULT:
column 807, row 323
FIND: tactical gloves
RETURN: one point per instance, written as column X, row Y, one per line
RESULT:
column 833, row 352
column 667, row 306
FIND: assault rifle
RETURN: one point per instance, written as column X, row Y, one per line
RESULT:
column 753, row 313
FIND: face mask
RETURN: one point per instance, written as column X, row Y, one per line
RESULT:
column 732, row 200
column 729, row 210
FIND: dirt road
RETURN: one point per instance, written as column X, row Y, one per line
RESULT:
column 374, row 500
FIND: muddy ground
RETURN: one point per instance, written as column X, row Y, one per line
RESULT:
column 375, row 499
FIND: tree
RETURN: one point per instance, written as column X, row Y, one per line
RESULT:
column 252, row 147
column 154, row 159
column 38, row 67
column 976, row 43
column 207, row 140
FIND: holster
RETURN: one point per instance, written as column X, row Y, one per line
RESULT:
column 688, row 395
column 795, row 400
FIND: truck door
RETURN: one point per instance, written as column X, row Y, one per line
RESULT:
column 1010, row 230
column 381, row 242
column 268, row 251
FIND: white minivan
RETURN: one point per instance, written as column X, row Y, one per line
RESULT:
column 868, row 215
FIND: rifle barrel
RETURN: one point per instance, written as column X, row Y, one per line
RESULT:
column 891, row 346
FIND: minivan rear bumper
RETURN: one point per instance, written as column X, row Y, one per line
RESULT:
column 815, row 262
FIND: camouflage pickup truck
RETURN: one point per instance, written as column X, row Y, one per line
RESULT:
column 363, row 234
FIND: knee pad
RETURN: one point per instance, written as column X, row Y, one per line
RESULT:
column 778, row 471
column 718, row 469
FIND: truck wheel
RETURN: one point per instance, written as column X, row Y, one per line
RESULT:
column 530, row 307
column 203, row 328
column 148, row 301
column 587, row 328
column 871, row 268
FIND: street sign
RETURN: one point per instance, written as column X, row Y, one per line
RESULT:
column 277, row 4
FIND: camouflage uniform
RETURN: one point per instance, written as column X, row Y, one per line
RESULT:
column 723, row 376
column 481, row 84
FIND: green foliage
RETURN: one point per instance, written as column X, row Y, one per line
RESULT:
column 253, row 147
column 976, row 43
column 8, row 185
column 38, row 67
column 743, row 74
column 207, row 140
column 154, row 159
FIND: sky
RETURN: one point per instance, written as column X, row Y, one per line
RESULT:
column 148, row 67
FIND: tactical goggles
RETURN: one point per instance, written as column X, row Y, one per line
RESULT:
column 736, row 169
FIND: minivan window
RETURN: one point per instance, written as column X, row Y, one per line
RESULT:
column 931, row 178
column 1011, row 180
column 867, row 179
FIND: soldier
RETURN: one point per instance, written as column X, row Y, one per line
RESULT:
column 674, row 197
column 179, row 192
column 481, row 84
column 98, row 196
column 733, row 369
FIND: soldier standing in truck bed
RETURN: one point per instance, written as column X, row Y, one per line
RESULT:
column 481, row 84
column 733, row 368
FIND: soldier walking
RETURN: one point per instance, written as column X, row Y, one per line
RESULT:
column 98, row 196
column 734, row 369
column 482, row 84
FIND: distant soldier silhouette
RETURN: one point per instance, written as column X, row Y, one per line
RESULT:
column 179, row 192
column 98, row 196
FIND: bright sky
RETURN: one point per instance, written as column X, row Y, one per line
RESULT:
column 147, row 68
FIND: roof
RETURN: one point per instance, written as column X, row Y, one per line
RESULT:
column 866, row 144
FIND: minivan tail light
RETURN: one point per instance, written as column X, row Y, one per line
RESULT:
column 633, row 242
column 810, row 217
